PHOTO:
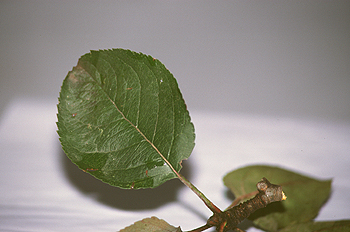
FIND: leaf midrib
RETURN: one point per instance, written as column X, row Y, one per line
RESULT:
column 126, row 119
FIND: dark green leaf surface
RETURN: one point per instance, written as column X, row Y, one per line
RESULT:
column 323, row 226
column 122, row 118
column 305, row 195
column 152, row 224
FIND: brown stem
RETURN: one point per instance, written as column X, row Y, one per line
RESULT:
column 229, row 219
column 239, row 199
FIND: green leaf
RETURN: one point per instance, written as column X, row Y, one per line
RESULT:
column 122, row 118
column 305, row 196
column 152, row 224
column 324, row 226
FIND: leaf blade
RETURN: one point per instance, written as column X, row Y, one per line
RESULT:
column 324, row 226
column 118, row 120
column 152, row 224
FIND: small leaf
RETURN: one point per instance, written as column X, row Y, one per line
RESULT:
column 122, row 118
column 324, row 226
column 152, row 224
column 305, row 195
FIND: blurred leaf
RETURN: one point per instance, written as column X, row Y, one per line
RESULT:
column 152, row 224
column 324, row 226
column 122, row 118
column 305, row 196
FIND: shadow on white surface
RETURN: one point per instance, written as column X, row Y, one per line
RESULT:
column 124, row 199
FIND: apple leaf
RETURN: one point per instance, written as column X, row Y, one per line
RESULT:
column 324, row 226
column 122, row 118
column 152, row 224
column 305, row 196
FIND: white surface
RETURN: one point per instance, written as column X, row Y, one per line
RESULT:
column 41, row 190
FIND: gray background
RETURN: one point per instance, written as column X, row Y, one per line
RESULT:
column 284, row 58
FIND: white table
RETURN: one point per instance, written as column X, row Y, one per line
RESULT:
column 41, row 190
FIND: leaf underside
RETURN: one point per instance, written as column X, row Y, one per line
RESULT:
column 122, row 118
column 305, row 195
column 152, row 224
column 324, row 226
